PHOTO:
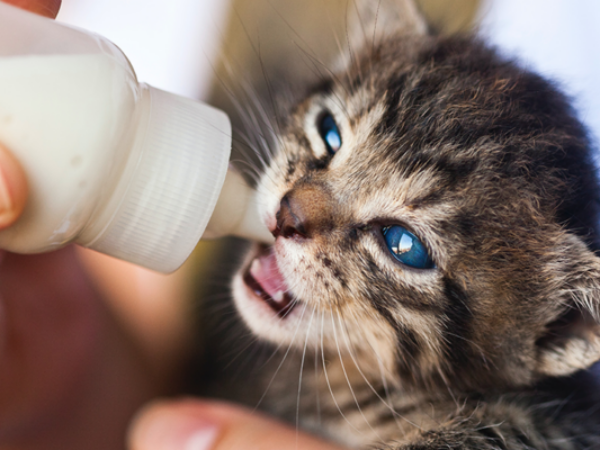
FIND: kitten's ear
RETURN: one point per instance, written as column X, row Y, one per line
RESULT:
column 572, row 340
column 371, row 20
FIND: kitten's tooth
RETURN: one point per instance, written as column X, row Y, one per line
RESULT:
column 278, row 297
column 256, row 266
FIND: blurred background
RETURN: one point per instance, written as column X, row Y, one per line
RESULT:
column 181, row 45
column 170, row 44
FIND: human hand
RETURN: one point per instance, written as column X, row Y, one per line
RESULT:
column 70, row 377
column 204, row 425
column 48, row 8
column 13, row 182
column 80, row 344
column 13, row 188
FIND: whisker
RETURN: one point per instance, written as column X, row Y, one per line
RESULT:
column 327, row 379
column 348, row 379
column 282, row 361
column 300, row 375
column 388, row 402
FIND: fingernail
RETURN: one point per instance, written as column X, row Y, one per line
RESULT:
column 6, row 203
column 13, row 188
column 163, row 429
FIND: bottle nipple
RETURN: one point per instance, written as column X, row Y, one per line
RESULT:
column 237, row 212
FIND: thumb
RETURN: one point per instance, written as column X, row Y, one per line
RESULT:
column 48, row 8
column 13, row 188
column 204, row 425
column 13, row 183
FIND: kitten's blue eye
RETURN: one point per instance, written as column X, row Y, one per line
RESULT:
column 406, row 247
column 330, row 133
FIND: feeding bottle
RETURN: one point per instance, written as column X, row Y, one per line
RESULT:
column 112, row 164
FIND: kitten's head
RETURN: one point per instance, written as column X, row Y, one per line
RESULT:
column 434, row 208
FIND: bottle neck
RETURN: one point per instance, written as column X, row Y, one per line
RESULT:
column 168, row 188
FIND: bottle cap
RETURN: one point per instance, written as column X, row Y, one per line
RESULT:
column 170, row 184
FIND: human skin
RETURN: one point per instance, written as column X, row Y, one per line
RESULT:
column 194, row 425
column 76, row 352
column 86, row 340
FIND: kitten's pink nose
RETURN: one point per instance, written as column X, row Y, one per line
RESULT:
column 304, row 213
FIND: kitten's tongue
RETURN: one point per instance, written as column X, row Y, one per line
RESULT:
column 265, row 271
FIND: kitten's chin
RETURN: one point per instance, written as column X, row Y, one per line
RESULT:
column 262, row 297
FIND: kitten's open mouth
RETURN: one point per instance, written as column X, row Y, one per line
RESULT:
column 264, row 279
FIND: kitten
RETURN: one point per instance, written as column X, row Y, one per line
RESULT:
column 434, row 282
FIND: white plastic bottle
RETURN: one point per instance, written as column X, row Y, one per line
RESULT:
column 112, row 164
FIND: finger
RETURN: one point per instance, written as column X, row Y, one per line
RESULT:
column 201, row 425
column 48, row 8
column 13, row 183
column 13, row 188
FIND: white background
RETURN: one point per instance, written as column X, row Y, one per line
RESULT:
column 559, row 39
column 171, row 44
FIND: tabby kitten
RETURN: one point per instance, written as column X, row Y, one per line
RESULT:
column 434, row 271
